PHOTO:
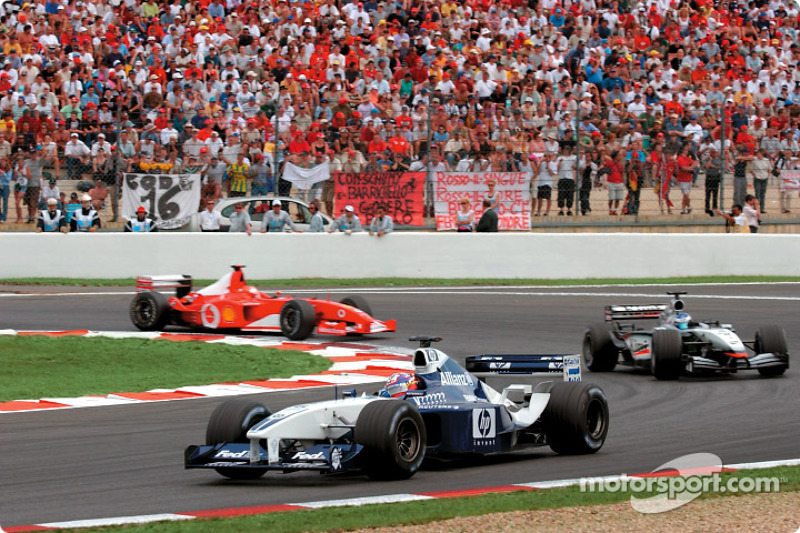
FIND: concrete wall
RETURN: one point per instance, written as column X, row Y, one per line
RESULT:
column 401, row 254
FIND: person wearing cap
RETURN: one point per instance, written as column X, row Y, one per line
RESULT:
column 51, row 219
column 381, row 223
column 141, row 223
column 51, row 191
column 240, row 220
column 77, row 156
column 276, row 220
column 347, row 223
column 85, row 219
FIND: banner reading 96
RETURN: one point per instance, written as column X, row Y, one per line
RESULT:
column 169, row 199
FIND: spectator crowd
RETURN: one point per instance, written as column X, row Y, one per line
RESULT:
column 624, row 93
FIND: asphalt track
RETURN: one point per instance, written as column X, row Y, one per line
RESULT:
column 128, row 460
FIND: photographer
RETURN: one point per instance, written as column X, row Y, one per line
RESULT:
column 736, row 220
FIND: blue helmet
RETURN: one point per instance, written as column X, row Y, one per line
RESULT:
column 682, row 320
column 398, row 384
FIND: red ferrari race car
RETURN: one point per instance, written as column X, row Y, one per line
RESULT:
column 230, row 303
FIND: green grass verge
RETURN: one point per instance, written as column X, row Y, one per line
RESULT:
column 38, row 367
column 422, row 512
column 409, row 282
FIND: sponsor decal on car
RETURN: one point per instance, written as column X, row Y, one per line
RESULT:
column 449, row 378
column 483, row 425
column 336, row 458
column 303, row 456
column 434, row 399
column 225, row 454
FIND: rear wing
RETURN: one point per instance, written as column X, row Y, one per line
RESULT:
column 634, row 312
column 568, row 365
column 180, row 282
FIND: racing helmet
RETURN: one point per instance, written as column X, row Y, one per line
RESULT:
column 398, row 384
column 682, row 320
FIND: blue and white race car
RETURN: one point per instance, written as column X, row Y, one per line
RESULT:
column 441, row 409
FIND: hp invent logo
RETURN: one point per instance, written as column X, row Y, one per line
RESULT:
column 484, row 423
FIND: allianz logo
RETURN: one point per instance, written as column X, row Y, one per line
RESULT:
column 448, row 378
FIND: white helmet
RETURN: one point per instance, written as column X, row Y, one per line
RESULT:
column 86, row 198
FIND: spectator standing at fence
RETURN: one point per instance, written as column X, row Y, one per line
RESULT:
column 85, row 219
column 615, row 165
column 21, row 179
column 212, row 175
column 465, row 217
column 790, row 162
column 488, row 221
column 760, row 170
column 238, row 174
column 210, row 219
column 140, row 223
column 240, row 220
column 262, row 176
column 276, row 219
column 348, row 222
column 742, row 159
column 51, row 219
column 685, row 170
column 714, row 166
column 381, row 223
column 492, row 195
column 567, row 170
column 6, row 184
column 317, row 223
column 548, row 169
column 51, row 191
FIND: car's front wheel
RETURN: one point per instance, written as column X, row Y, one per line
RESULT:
column 230, row 422
column 393, row 435
column 599, row 352
column 771, row 339
column 576, row 418
column 665, row 354
column 297, row 319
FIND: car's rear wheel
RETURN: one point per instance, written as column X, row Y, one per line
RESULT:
column 230, row 422
column 297, row 319
column 359, row 302
column 665, row 354
column 393, row 435
column 576, row 418
column 149, row 311
column 771, row 339
column 599, row 352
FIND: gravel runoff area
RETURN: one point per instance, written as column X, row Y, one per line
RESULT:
column 748, row 513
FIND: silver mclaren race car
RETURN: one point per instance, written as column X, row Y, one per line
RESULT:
column 441, row 409
column 677, row 344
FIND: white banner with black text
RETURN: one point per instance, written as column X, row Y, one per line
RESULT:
column 168, row 198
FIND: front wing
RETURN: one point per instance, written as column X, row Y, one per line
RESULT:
column 323, row 458
column 698, row 363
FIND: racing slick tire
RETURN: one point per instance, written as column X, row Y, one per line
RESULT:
column 665, row 355
column 298, row 320
column 358, row 302
column 230, row 422
column 149, row 311
column 599, row 352
column 393, row 435
column 575, row 420
column 771, row 339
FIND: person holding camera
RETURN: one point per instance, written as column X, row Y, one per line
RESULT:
column 735, row 219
